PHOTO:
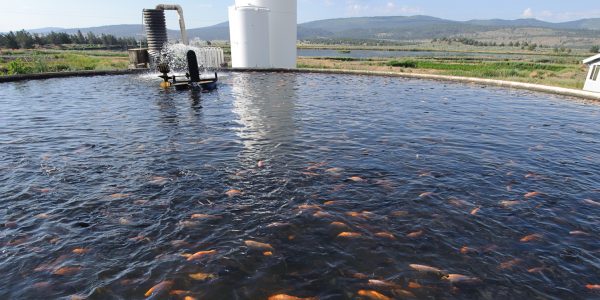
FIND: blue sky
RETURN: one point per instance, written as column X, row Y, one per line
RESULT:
column 30, row 14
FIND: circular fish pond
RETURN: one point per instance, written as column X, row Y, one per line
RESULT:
column 326, row 186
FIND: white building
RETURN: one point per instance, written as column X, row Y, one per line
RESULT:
column 592, row 82
column 263, row 33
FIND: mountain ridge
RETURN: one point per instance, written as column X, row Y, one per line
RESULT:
column 394, row 28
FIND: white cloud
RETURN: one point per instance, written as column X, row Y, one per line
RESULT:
column 564, row 16
column 527, row 13
column 390, row 8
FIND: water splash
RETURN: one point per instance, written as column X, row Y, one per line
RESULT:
column 209, row 58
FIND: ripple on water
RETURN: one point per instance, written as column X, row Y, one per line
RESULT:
column 111, row 187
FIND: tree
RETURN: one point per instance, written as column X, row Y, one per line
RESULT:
column 80, row 39
column 24, row 39
column 532, row 47
column 11, row 40
column 595, row 49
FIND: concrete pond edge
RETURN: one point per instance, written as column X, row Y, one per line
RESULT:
column 50, row 75
column 470, row 80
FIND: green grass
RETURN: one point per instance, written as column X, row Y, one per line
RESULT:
column 475, row 67
column 43, row 61
column 544, row 73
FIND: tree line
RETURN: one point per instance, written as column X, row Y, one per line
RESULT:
column 26, row 40
column 476, row 43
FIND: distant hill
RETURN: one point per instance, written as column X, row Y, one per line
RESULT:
column 388, row 28
column 396, row 28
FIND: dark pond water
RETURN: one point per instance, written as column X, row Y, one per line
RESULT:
column 110, row 186
column 393, row 54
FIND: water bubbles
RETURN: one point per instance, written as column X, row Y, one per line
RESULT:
column 209, row 58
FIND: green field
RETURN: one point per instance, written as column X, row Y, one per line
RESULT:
column 547, row 66
column 541, row 66
column 13, row 62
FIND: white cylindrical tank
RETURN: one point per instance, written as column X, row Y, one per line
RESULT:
column 249, row 30
column 283, row 30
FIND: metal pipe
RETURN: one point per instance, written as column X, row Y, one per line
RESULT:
column 184, row 36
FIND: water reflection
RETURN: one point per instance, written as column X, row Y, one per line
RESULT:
column 265, row 107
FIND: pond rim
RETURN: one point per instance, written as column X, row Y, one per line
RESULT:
column 470, row 80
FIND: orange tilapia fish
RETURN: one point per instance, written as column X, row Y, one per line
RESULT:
column 233, row 193
column 360, row 275
column 159, row 288
column 467, row 250
column 354, row 214
column 349, row 235
column 510, row 264
column 315, row 166
column 356, row 179
column 459, row 202
column 374, row 295
column 308, row 206
column 158, row 180
column 67, row 271
column 426, row 269
column 202, row 276
column 533, row 175
column 179, row 292
column 532, row 194
column 426, row 194
column 201, row 254
column 403, row 293
column 415, row 234
column 382, row 284
column 400, row 213
column 80, row 250
column 578, row 232
column 268, row 253
column 205, row 216
column 461, row 279
column 531, row 238
column 42, row 285
column 475, row 211
column 42, row 216
column 414, row 285
column 119, row 196
column 257, row 245
column 509, row 203
column 384, row 183
column 334, row 170
column 278, row 224
column 311, row 174
column 591, row 202
column 321, row 214
column 260, row 164
column 593, row 287
column 288, row 297
column 385, row 235
column 189, row 298
column 536, row 270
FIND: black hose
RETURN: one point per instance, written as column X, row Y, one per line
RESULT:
column 156, row 31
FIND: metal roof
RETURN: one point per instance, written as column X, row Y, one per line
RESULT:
column 592, row 59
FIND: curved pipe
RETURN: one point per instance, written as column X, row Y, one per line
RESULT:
column 184, row 36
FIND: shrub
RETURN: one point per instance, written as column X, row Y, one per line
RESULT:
column 18, row 66
column 403, row 63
